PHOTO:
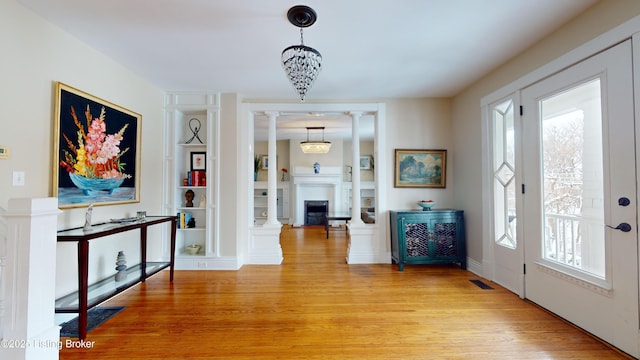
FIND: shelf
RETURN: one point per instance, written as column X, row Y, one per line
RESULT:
column 260, row 201
column 192, row 145
column 108, row 287
column 183, row 254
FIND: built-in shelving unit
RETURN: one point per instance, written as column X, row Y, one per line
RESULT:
column 367, row 195
column 191, row 165
column 260, row 202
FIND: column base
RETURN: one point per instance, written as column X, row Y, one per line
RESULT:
column 363, row 244
column 264, row 245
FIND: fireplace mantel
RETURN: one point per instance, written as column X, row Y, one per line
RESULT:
column 325, row 171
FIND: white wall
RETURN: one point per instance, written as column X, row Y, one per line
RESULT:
column 419, row 124
column 282, row 151
column 230, row 190
column 332, row 158
column 366, row 148
column 36, row 54
column 289, row 155
column 466, row 106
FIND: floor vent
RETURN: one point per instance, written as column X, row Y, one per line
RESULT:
column 481, row 285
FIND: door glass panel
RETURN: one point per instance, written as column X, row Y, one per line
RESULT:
column 504, row 189
column 573, row 179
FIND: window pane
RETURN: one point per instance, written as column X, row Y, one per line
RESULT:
column 573, row 179
column 504, row 175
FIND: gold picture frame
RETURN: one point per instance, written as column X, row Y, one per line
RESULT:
column 96, row 155
column 420, row 168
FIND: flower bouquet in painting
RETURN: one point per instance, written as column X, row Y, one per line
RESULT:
column 93, row 157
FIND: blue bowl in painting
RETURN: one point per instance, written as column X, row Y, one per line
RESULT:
column 426, row 205
column 95, row 184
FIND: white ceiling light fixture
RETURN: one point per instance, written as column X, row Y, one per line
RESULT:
column 315, row 147
column 301, row 63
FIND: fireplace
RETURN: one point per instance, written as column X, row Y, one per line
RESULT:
column 308, row 186
column 315, row 211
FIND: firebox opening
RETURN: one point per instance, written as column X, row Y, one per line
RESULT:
column 315, row 211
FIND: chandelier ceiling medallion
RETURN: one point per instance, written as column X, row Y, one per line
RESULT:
column 301, row 63
column 315, row 147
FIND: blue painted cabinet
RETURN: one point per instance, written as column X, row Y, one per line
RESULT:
column 428, row 237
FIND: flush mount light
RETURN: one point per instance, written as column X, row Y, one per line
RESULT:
column 301, row 63
column 315, row 147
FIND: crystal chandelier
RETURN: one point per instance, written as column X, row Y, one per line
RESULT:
column 301, row 63
column 315, row 147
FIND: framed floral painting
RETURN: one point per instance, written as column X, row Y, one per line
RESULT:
column 96, row 150
column 420, row 168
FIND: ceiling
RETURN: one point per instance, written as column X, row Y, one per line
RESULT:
column 386, row 49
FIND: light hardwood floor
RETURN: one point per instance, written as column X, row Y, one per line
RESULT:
column 316, row 306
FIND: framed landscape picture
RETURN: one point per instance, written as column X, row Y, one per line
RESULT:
column 96, row 157
column 365, row 162
column 420, row 168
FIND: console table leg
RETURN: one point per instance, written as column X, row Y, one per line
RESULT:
column 143, row 253
column 173, row 248
column 83, row 285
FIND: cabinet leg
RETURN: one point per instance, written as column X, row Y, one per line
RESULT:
column 400, row 267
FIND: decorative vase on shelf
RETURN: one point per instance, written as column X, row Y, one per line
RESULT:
column 255, row 176
column 316, row 168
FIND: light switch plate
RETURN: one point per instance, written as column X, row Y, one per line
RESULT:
column 18, row 178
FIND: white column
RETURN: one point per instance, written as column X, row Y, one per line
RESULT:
column 272, row 174
column 355, row 171
column 29, row 287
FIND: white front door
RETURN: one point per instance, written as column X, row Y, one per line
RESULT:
column 580, row 230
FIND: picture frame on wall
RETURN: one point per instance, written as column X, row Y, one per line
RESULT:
column 365, row 162
column 97, row 147
column 420, row 168
column 198, row 160
column 265, row 162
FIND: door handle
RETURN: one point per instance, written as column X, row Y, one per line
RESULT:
column 624, row 201
column 624, row 227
